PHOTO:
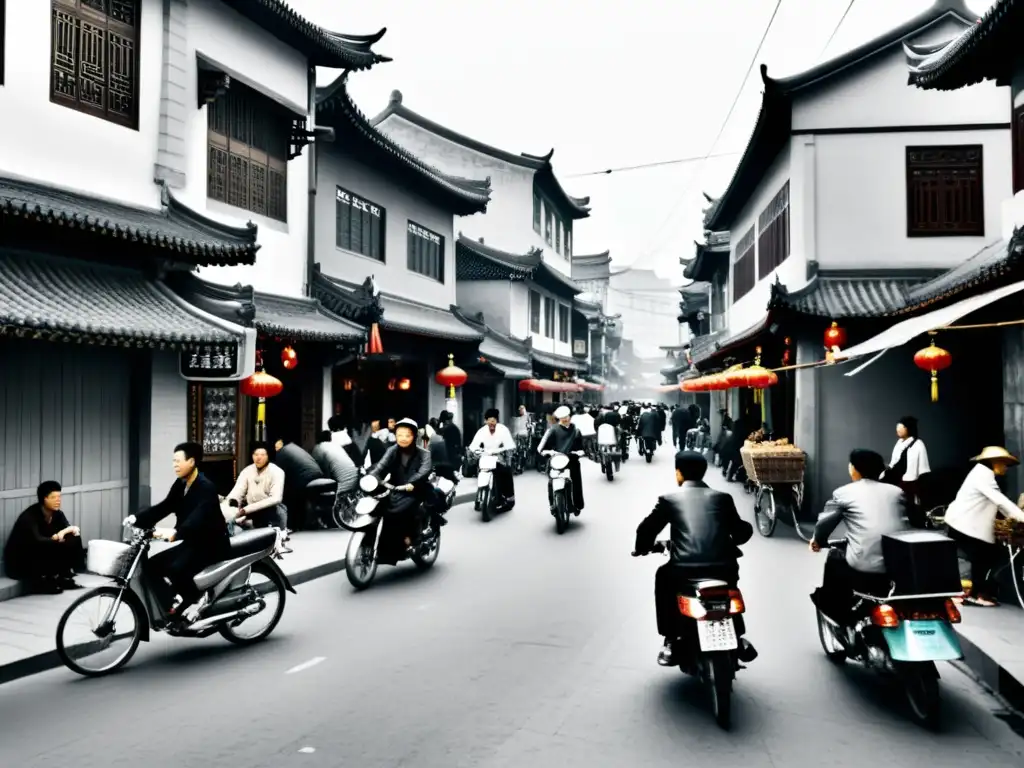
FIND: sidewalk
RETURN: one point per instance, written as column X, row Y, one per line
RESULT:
column 992, row 638
column 28, row 624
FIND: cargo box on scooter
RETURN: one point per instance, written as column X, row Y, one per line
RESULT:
column 921, row 562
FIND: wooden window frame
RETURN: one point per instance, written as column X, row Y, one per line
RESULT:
column 368, row 208
column 538, row 210
column 564, row 322
column 549, row 223
column 247, row 152
column 958, row 170
column 742, row 283
column 558, row 236
column 66, row 80
column 568, row 242
column 549, row 317
column 424, row 255
column 1017, row 141
column 536, row 311
column 773, row 242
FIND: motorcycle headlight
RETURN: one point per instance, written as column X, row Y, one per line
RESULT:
column 368, row 483
column 559, row 461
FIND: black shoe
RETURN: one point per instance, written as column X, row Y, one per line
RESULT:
column 67, row 582
column 747, row 652
column 667, row 657
column 47, row 587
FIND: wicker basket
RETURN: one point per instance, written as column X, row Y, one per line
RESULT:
column 108, row 558
column 1010, row 532
column 774, row 466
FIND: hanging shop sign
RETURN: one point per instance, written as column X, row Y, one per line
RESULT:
column 579, row 347
column 219, row 361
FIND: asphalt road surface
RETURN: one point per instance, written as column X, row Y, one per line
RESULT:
column 521, row 648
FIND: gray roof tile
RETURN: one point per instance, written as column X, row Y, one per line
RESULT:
column 837, row 297
column 302, row 318
column 60, row 298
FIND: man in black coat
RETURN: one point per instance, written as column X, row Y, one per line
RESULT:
column 706, row 531
column 199, row 526
column 648, row 426
column 682, row 422
column 452, row 439
column 44, row 548
column 409, row 467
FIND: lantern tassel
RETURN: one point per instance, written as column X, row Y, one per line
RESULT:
column 261, row 419
column 375, row 347
column 935, row 386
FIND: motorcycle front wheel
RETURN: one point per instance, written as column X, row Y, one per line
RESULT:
column 361, row 560
column 266, row 582
column 561, row 512
column 486, row 500
column 89, row 629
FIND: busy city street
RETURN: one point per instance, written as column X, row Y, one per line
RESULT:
column 521, row 647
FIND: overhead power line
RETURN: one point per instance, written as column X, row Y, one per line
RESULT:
column 650, row 165
column 834, row 31
column 739, row 92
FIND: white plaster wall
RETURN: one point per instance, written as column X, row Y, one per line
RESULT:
column 492, row 297
column 56, row 145
column 169, row 421
column 793, row 271
column 878, row 95
column 519, row 311
column 220, row 35
column 540, row 341
column 337, row 168
column 862, row 200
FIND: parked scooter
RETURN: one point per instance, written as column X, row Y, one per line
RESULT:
column 560, row 480
column 713, row 609
column 363, row 554
column 901, row 636
column 488, row 501
column 243, row 599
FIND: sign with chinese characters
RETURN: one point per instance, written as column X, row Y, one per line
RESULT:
column 210, row 362
column 426, row 234
column 579, row 347
column 358, row 203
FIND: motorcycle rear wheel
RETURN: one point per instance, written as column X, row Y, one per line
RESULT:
column 228, row 632
column 360, row 573
column 561, row 512
column 720, row 671
column 648, row 456
column 921, row 687
column 608, row 471
column 830, row 644
column 426, row 561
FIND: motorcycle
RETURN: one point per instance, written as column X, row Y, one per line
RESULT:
column 610, row 459
column 712, row 610
column 647, row 446
column 900, row 636
column 518, row 461
column 363, row 555
column 488, row 501
column 560, row 479
column 624, row 443
column 231, row 599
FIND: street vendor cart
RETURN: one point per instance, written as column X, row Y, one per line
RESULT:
column 775, row 470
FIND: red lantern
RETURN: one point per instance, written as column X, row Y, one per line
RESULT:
column 261, row 384
column 757, row 377
column 933, row 359
column 289, row 358
column 736, row 377
column 717, row 382
column 451, row 377
column 835, row 337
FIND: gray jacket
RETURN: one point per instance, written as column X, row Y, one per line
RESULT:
column 337, row 465
column 870, row 510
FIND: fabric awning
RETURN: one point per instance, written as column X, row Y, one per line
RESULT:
column 546, row 385
column 908, row 330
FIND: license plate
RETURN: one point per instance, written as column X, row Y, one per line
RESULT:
column 717, row 635
column 558, row 483
column 366, row 505
column 488, row 462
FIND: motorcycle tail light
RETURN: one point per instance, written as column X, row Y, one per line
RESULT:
column 736, row 604
column 885, row 616
column 692, row 607
column 952, row 612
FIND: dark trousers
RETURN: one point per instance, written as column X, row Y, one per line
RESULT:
column 672, row 580
column 576, row 475
column 983, row 557
column 504, row 484
column 180, row 564
column 51, row 559
column 276, row 515
column 839, row 582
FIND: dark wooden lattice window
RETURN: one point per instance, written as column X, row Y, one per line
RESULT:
column 94, row 58
column 549, row 317
column 360, row 225
column 744, row 272
column 426, row 252
column 247, row 160
column 534, row 312
column 568, row 241
column 773, row 237
column 549, row 224
column 536, row 213
column 944, row 191
column 563, row 323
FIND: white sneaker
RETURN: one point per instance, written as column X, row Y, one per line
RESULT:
column 195, row 610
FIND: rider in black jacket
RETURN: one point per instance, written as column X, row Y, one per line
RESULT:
column 706, row 534
column 409, row 467
column 564, row 437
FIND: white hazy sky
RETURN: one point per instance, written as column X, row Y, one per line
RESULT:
column 607, row 84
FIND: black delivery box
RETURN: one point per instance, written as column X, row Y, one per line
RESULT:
column 922, row 563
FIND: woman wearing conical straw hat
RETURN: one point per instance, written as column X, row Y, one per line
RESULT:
column 971, row 519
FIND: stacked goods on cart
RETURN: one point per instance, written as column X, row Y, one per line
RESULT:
column 772, row 461
column 1010, row 532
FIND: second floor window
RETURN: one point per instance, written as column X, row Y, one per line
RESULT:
column 94, row 58
column 744, row 270
column 534, row 312
column 247, row 166
column 773, row 233
column 426, row 252
column 568, row 242
column 536, row 213
column 558, row 237
column 944, row 191
column 549, row 224
column 549, row 317
column 360, row 225
column 563, row 323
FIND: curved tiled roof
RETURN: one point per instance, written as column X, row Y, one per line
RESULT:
column 463, row 196
column 174, row 230
column 81, row 300
column 477, row 261
column 985, row 51
column 774, row 120
column 843, row 296
column 322, row 47
column 304, row 319
column 576, row 207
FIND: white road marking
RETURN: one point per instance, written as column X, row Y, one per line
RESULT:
column 306, row 665
column 307, row 750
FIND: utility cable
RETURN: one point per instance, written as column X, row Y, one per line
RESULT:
column 834, row 31
column 650, row 165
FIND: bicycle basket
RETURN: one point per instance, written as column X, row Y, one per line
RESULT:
column 108, row 558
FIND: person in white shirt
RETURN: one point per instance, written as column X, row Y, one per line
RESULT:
column 971, row 519
column 258, row 494
column 907, row 465
column 521, row 423
column 584, row 422
column 493, row 436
